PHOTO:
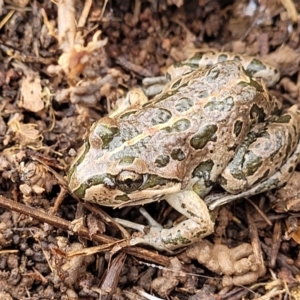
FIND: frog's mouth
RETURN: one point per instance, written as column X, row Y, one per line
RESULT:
column 147, row 196
column 102, row 195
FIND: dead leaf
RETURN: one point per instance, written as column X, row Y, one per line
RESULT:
column 31, row 93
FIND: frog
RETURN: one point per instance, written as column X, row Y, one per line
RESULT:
column 214, row 124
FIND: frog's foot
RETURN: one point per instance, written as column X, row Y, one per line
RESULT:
column 169, row 239
column 150, row 220
column 153, row 236
column 154, row 85
column 198, row 225
column 137, row 226
column 132, row 225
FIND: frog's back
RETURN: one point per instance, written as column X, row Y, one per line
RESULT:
column 194, row 119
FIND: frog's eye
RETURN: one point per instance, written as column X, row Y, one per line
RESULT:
column 129, row 181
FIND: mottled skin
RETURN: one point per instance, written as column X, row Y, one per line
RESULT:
column 202, row 59
column 196, row 133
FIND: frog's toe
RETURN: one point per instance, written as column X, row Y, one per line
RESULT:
column 150, row 220
column 152, row 238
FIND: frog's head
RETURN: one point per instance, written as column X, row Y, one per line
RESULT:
column 111, row 171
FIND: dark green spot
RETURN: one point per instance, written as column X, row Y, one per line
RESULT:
column 181, row 125
column 253, row 83
column 261, row 178
column 149, row 103
column 252, row 163
column 166, row 129
column 203, row 170
column 177, row 154
column 255, row 65
column 126, row 160
column 238, row 125
column 237, row 58
column 284, row 119
column 196, row 58
column 205, row 134
column 95, row 180
column 154, row 180
column 213, row 73
column 161, row 116
column 176, row 84
column 257, row 113
column 126, row 115
column 221, row 105
column 183, row 104
column 222, row 57
column 110, row 136
column 178, row 240
column 122, row 198
column 162, row 161
column 277, row 108
column 235, row 165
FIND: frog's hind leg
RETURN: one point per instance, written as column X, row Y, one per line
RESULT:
column 277, row 180
column 267, row 163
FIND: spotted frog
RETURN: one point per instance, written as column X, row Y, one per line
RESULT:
column 213, row 124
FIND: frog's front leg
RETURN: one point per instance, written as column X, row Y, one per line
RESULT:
column 154, row 85
column 198, row 225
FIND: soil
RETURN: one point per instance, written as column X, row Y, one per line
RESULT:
column 63, row 66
